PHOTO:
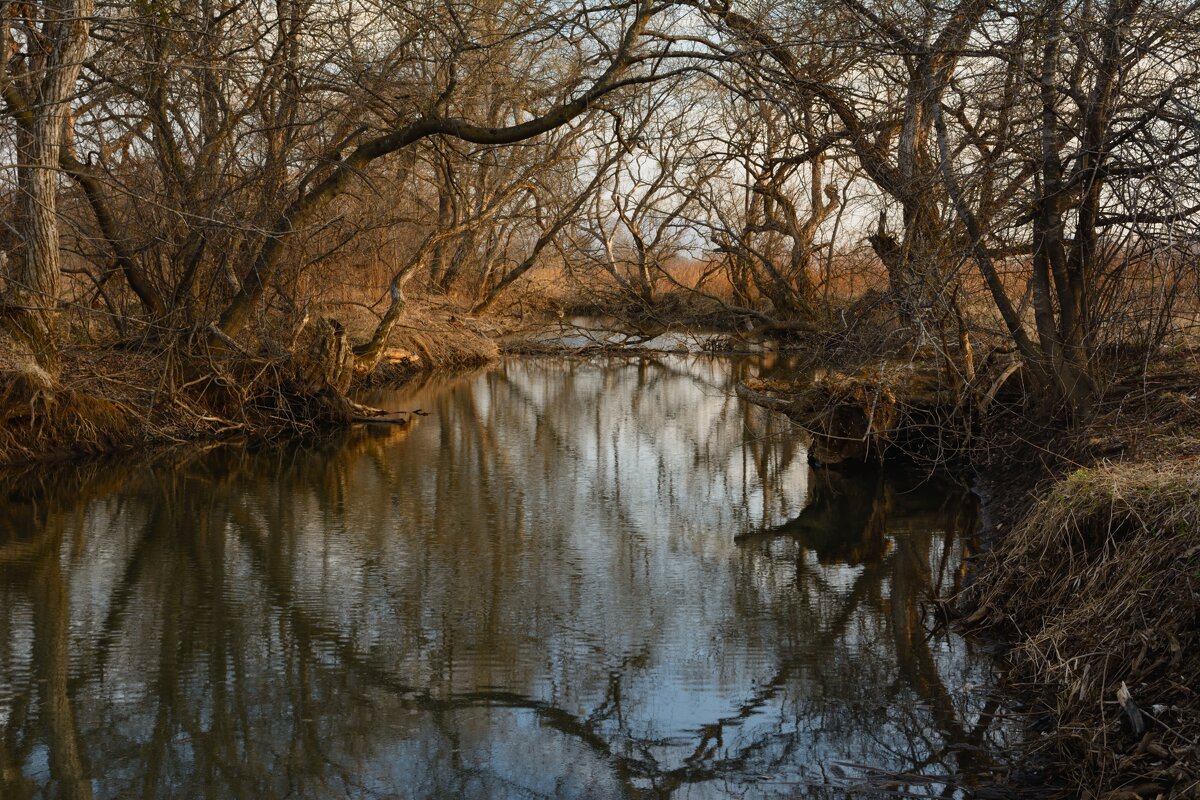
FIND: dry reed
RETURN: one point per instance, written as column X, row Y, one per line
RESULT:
column 1100, row 583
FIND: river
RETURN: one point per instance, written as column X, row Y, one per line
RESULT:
column 576, row 578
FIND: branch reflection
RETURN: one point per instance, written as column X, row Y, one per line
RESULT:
column 534, row 592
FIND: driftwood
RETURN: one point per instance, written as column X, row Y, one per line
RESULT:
column 382, row 419
column 369, row 415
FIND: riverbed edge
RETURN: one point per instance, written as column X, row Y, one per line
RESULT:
column 1090, row 574
column 1091, row 579
column 1094, row 497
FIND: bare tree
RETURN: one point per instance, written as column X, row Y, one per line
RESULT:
column 1086, row 142
column 44, row 45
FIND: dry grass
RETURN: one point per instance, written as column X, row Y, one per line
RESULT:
column 1100, row 582
column 36, row 421
column 127, row 397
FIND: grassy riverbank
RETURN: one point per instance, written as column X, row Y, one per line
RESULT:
column 1094, row 576
column 130, row 395
column 1093, row 567
column 1098, row 587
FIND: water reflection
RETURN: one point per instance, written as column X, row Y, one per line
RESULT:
column 573, row 579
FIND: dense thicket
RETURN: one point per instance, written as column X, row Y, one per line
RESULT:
column 1026, row 170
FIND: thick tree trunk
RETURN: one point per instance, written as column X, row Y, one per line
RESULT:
column 35, row 290
column 42, row 122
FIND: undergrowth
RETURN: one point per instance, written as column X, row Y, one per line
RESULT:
column 1099, row 584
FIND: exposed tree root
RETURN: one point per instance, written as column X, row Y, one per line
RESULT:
column 125, row 398
column 883, row 407
column 39, row 417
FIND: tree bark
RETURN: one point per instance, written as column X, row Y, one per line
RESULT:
column 34, row 283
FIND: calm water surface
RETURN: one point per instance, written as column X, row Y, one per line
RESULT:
column 599, row 579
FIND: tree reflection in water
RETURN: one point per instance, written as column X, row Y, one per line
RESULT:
column 574, row 579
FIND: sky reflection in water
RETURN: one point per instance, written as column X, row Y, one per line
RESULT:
column 573, row 579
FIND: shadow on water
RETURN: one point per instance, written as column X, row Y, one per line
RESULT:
column 574, row 579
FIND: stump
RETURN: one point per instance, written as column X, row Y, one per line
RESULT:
column 323, row 358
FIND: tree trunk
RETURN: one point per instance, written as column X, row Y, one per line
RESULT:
column 33, row 284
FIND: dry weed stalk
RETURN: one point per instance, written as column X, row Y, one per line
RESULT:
column 1101, row 583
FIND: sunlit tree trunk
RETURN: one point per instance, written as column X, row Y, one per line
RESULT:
column 37, row 88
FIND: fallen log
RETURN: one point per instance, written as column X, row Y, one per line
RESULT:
column 382, row 419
